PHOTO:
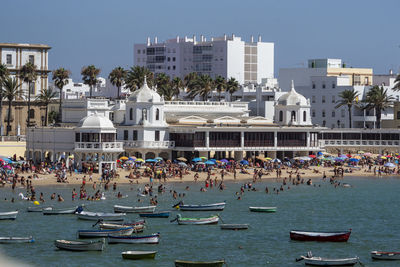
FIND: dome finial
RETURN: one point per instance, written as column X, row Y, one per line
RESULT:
column 293, row 86
column 145, row 80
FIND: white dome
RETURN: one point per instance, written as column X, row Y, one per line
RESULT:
column 96, row 121
column 144, row 94
column 292, row 98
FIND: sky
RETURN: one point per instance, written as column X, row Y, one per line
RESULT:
column 364, row 33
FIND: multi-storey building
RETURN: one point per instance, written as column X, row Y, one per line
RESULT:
column 227, row 56
column 14, row 56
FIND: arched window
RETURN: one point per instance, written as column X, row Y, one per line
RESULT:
column 32, row 113
column 157, row 114
column 144, row 114
column 281, row 115
column 304, row 116
column 131, row 113
column 293, row 116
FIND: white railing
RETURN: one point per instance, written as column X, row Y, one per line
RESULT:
column 149, row 144
column 360, row 143
column 99, row 146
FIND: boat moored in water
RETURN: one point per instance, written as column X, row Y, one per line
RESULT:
column 197, row 221
column 263, row 209
column 206, row 207
column 126, row 209
column 12, row 240
column 136, row 228
column 340, row 236
column 52, row 211
column 104, row 233
column 138, row 255
column 181, row 263
column 8, row 215
column 234, row 226
column 95, row 216
column 319, row 261
column 146, row 239
column 385, row 255
column 160, row 214
column 75, row 245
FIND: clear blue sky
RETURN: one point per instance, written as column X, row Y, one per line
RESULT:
column 364, row 33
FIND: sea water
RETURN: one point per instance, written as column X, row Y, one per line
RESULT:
column 370, row 208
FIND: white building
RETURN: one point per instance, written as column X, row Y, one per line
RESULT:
column 14, row 56
column 227, row 56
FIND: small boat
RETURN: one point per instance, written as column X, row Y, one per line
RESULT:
column 126, row 209
column 160, row 214
column 146, row 239
column 180, row 263
column 384, row 255
column 138, row 255
column 197, row 221
column 36, row 209
column 52, row 211
column 95, row 216
column 319, row 261
column 207, row 207
column 340, row 236
column 263, row 209
column 8, row 240
column 80, row 245
column 105, row 232
column 8, row 215
column 234, row 226
column 136, row 228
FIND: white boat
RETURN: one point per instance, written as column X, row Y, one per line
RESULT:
column 206, row 207
column 319, row 261
column 80, row 245
column 105, row 232
column 197, row 221
column 385, row 255
column 95, row 216
column 36, row 209
column 53, row 211
column 8, row 240
column 8, row 215
column 147, row 239
column 126, row 209
column 136, row 228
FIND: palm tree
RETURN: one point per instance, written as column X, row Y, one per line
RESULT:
column 4, row 73
column 28, row 74
column 177, row 85
column 378, row 99
column 189, row 80
column 60, row 78
column 232, row 86
column 349, row 98
column 89, row 76
column 202, row 86
column 135, row 77
column 220, row 85
column 397, row 83
column 117, row 78
column 11, row 91
column 45, row 97
column 162, row 81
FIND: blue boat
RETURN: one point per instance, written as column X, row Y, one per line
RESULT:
column 104, row 232
column 160, row 214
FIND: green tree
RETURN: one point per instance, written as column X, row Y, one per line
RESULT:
column 28, row 74
column 163, row 84
column 220, row 85
column 349, row 99
column 202, row 86
column 117, row 78
column 232, row 86
column 397, row 83
column 60, row 78
column 377, row 98
column 45, row 97
column 4, row 73
column 135, row 78
column 177, row 85
column 53, row 116
column 11, row 91
column 190, row 80
column 89, row 76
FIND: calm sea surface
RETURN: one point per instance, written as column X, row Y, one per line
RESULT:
column 370, row 208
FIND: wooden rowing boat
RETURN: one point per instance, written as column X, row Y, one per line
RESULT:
column 385, row 255
column 126, row 209
column 64, row 211
column 95, row 216
column 160, row 214
column 12, row 240
column 263, row 209
column 319, row 261
column 146, row 239
column 340, row 236
column 234, row 226
column 8, row 215
column 36, row 209
column 181, row 263
column 80, row 245
column 206, row 207
column 138, row 255
column 197, row 221
column 136, row 228
column 105, row 232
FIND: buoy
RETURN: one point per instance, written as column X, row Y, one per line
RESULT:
column 36, row 202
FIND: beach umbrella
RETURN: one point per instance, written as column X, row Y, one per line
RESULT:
column 139, row 160
column 343, row 156
column 6, row 160
column 339, row 159
column 159, row 158
column 123, row 158
column 182, row 164
column 312, row 156
column 388, row 156
column 71, row 156
column 367, row 154
column 390, row 165
column 244, row 162
column 276, row 160
column 209, row 162
column 151, row 160
column 199, row 163
column 354, row 160
column 398, row 156
column 224, row 160
column 319, row 153
column 348, row 155
column 196, row 159
column 132, row 158
column 7, row 167
column 203, row 158
column 181, row 159
column 267, row 158
column 382, row 157
column 357, row 157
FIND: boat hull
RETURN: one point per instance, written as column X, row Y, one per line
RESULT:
column 209, row 207
column 80, row 245
column 384, row 255
column 317, row 261
column 149, row 239
column 95, row 216
column 234, row 226
column 125, row 209
column 263, row 209
column 180, row 263
column 104, row 233
column 320, row 236
column 136, row 228
column 50, row 211
column 154, row 215
column 138, row 255
column 10, row 215
column 198, row 221
column 13, row 240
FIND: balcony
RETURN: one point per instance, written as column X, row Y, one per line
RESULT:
column 99, row 146
column 364, row 118
column 149, row 144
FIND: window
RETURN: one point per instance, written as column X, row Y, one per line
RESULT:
column 138, row 51
column 157, row 114
column 366, row 80
column 313, row 99
column 323, row 86
column 32, row 59
column 333, row 114
column 323, row 113
column 342, row 113
column 168, row 59
column 131, row 113
column 398, row 115
column 333, row 99
column 126, row 134
column 32, row 88
column 304, row 116
column 173, row 59
column 281, row 115
column 9, row 59
column 323, row 123
column 333, row 85
column 293, row 116
column 313, row 113
column 32, row 113
column 173, row 67
column 323, row 99
column 77, row 137
column 313, row 85
column 134, row 136
column 157, row 136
